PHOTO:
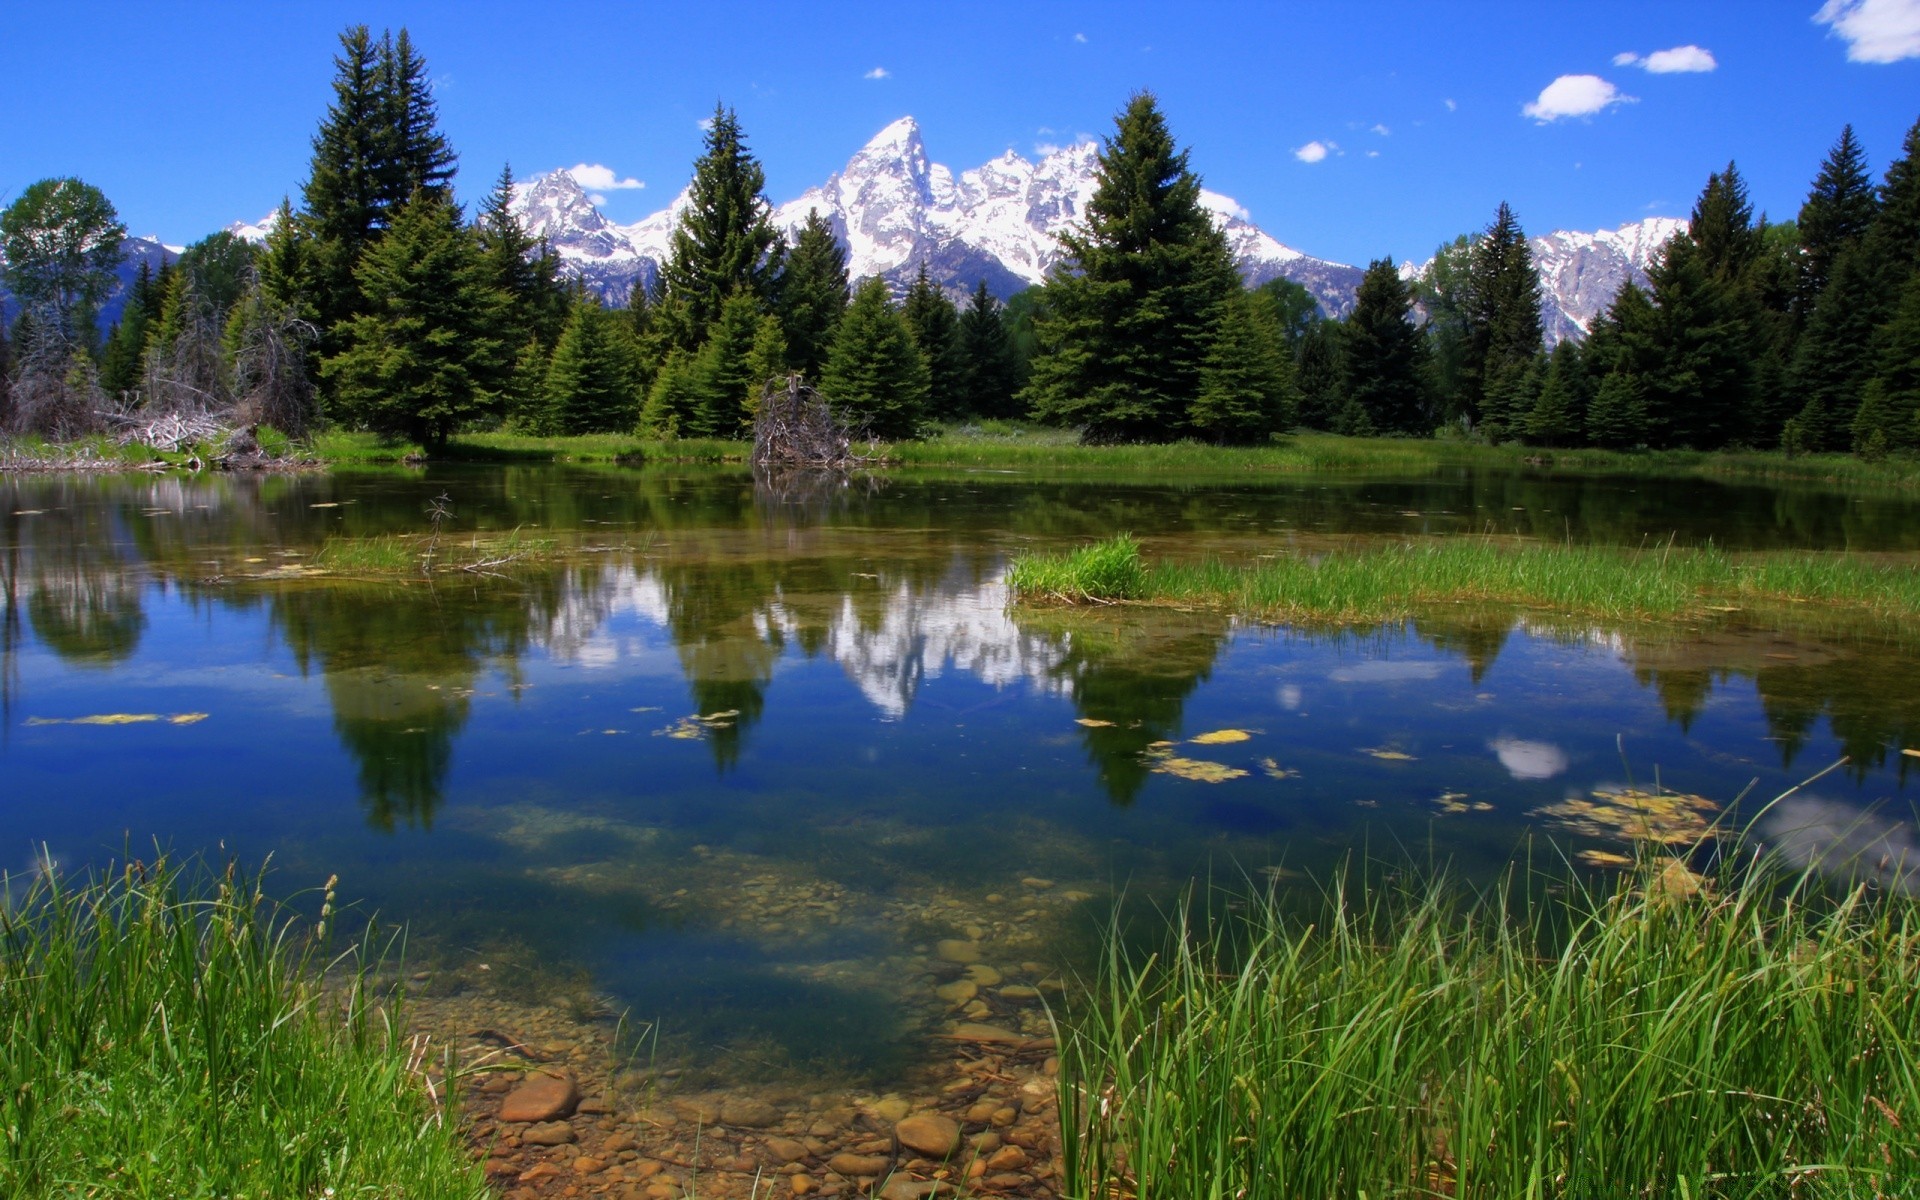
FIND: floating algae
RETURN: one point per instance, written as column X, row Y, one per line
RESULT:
column 122, row 719
column 1161, row 760
column 1663, row 818
column 1221, row 737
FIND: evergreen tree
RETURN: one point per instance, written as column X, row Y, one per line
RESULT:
column 876, row 376
column 221, row 266
column 1833, row 359
column 127, row 343
column 1622, row 354
column 725, row 376
column 1292, row 308
column 992, row 370
column 1502, row 308
column 671, row 397
column 1894, row 238
column 1559, row 416
column 418, row 362
column 285, row 267
column 813, row 295
column 1246, row 381
column 589, row 387
column 341, row 198
column 725, row 242
column 1444, row 291
column 1722, row 226
column 1317, row 372
column 1384, row 356
column 526, row 270
column 1837, row 214
column 415, row 155
column 936, row 330
column 1889, row 413
column 1704, row 383
column 1130, row 311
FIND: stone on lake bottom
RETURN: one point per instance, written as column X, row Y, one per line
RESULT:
column 541, row 1097
column 853, row 1165
column 929, row 1133
column 748, row 1112
column 548, row 1133
column 956, row 950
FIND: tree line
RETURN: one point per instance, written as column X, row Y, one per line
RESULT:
column 377, row 304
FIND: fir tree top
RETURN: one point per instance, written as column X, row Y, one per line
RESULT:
column 725, row 241
column 1837, row 213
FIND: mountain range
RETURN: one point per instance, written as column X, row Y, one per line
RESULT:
column 895, row 209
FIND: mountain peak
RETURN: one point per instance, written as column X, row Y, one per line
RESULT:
column 902, row 134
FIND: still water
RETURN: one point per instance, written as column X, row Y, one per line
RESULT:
column 751, row 757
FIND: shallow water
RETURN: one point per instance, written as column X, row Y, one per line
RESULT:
column 745, row 761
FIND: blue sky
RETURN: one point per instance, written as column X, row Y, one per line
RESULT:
column 1427, row 115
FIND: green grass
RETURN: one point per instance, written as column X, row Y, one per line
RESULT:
column 344, row 448
column 423, row 553
column 1624, row 1041
column 1394, row 581
column 165, row 1036
column 1010, row 445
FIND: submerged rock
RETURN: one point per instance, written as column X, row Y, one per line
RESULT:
column 543, row 1096
column 929, row 1133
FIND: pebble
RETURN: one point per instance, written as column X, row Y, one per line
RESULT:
column 984, row 975
column 1007, row 1158
column 541, row 1097
column 588, row 1165
column 956, row 950
column 858, row 1164
column 748, row 1112
column 959, row 992
column 549, row 1133
column 1036, row 883
column 930, row 1134
column 801, row 1184
column 892, row 1108
column 1020, row 993
column 786, row 1150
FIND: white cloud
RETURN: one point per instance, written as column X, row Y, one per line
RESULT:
column 1383, row 131
column 1226, row 206
column 1575, row 96
column 1314, row 152
column 1876, row 31
column 1679, row 60
column 705, row 124
column 597, row 197
column 1081, row 38
column 1626, row 58
column 877, row 73
column 1373, row 154
column 1043, row 149
column 1451, row 106
column 601, row 179
column 1529, row 760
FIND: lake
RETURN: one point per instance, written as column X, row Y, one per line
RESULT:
column 776, row 771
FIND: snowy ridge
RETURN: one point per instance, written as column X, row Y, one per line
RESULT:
column 1581, row 273
column 893, row 209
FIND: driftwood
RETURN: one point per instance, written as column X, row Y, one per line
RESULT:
column 795, row 426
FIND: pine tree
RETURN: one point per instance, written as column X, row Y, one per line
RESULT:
column 1889, row 413
column 525, row 270
column 936, row 330
column 767, row 360
column 813, row 295
column 415, row 155
column 1246, row 380
column 1559, row 416
column 1444, row 290
column 127, row 343
column 286, row 269
column 1317, row 372
column 1384, row 356
column 1129, row 313
column 1838, row 212
column 671, row 398
column 1833, row 359
column 418, row 362
column 341, row 199
column 1895, row 236
column 725, row 386
column 1704, row 382
column 725, row 242
column 876, row 376
column 1722, row 226
column 992, row 371
column 589, row 386
column 1622, row 354
column 1502, row 318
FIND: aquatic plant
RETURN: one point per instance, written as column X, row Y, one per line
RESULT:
column 1394, row 580
column 167, row 1032
column 1658, row 1036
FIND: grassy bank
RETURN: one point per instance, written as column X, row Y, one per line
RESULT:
column 1394, row 581
column 164, row 1036
column 1635, row 1041
column 1005, row 445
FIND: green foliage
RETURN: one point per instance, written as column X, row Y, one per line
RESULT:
column 1559, row 416
column 1555, row 1036
column 1502, row 325
column 1104, row 571
column 1129, row 313
column 525, row 271
column 1837, row 214
column 813, row 295
column 1706, row 335
column 1317, row 374
column 876, row 376
column 425, row 356
column 167, row 1033
column 1292, row 308
column 1889, row 414
column 589, row 385
column 220, row 266
column 725, row 242
column 936, row 331
column 990, row 361
column 726, row 375
column 1246, row 381
column 1383, row 360
column 1833, row 360
column 61, row 241
column 1444, row 290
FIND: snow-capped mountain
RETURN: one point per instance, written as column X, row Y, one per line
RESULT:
column 133, row 252
column 1580, row 273
column 894, row 209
